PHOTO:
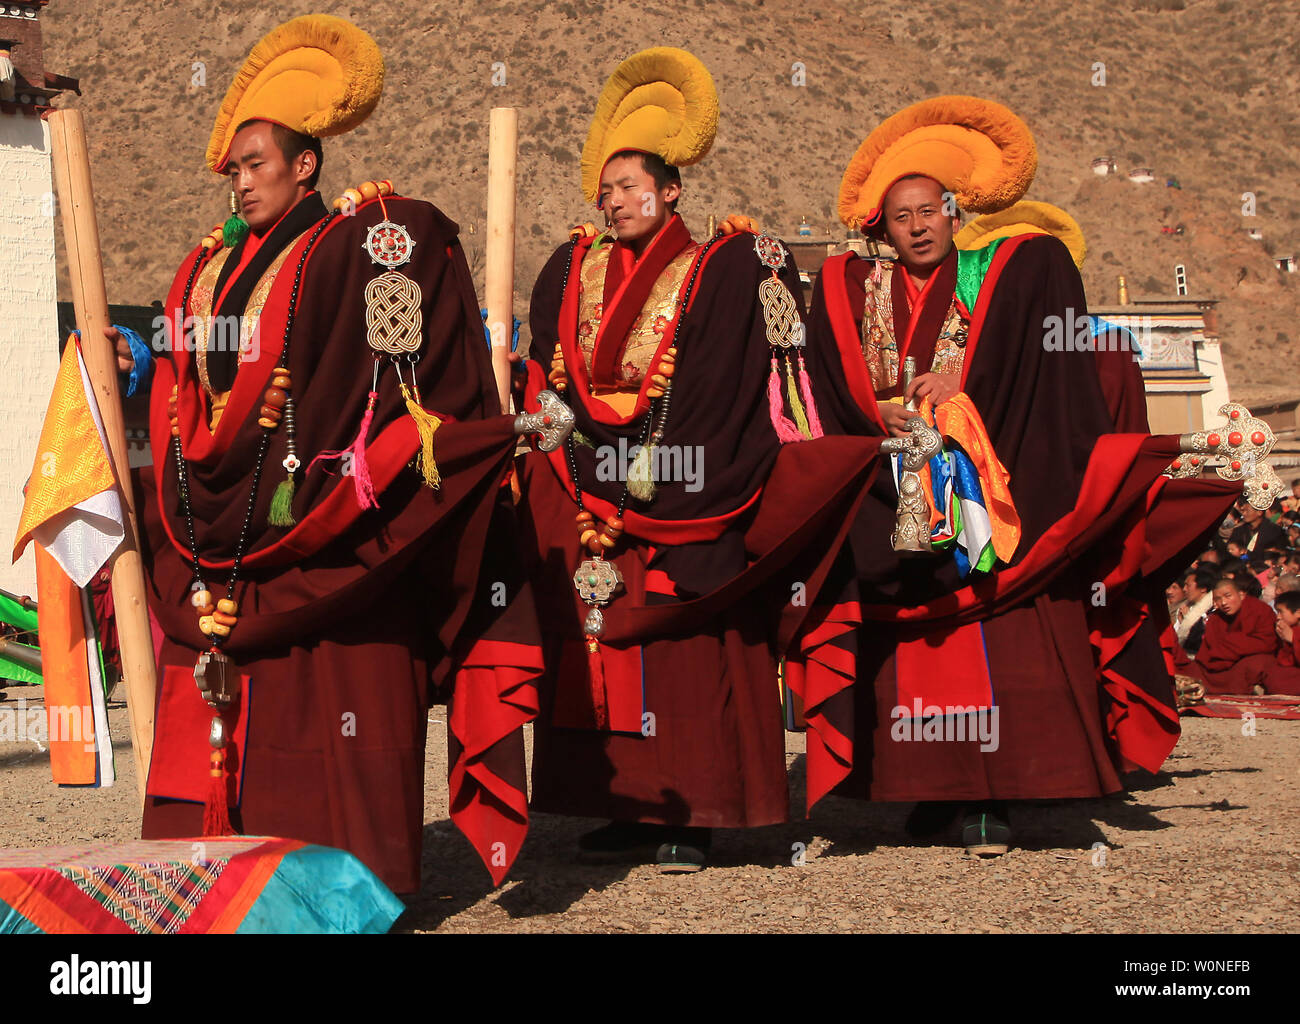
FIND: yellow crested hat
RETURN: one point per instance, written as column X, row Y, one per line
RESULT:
column 1025, row 217
column 660, row 101
column 318, row 74
column 977, row 149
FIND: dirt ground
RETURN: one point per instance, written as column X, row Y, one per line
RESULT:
column 1212, row 844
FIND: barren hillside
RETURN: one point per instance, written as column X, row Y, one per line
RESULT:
column 1201, row 91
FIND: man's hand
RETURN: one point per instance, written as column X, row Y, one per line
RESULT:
column 1284, row 631
column 938, row 387
column 125, row 361
column 895, row 416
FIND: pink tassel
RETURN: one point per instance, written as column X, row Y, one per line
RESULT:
column 810, row 407
column 360, row 468
column 786, row 431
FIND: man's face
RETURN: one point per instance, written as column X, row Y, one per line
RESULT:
column 1251, row 515
column 634, row 207
column 1194, row 593
column 1175, row 593
column 915, row 223
column 266, row 183
column 1288, row 617
column 1227, row 599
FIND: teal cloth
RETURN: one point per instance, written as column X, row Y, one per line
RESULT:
column 318, row 890
column 972, row 266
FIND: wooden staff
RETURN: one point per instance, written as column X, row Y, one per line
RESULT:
column 499, row 272
column 90, row 300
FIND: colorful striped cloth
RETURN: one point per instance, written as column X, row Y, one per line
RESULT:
column 230, row 884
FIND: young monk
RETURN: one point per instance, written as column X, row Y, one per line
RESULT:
column 1240, row 642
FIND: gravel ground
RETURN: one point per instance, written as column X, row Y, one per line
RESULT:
column 1212, row 844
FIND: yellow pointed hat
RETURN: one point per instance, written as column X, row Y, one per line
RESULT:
column 318, row 74
column 979, row 150
column 660, row 101
column 1025, row 217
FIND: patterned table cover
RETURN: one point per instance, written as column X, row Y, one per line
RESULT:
column 230, row 884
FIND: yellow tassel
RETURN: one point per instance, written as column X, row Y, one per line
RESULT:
column 425, row 424
column 796, row 407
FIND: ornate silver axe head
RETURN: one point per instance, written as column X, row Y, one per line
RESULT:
column 1243, row 442
column 912, row 520
column 554, row 421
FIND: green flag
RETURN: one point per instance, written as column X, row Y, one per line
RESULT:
column 15, row 614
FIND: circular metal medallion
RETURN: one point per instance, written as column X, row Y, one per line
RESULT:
column 771, row 252
column 389, row 244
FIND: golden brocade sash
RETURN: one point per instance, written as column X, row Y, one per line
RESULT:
column 202, row 298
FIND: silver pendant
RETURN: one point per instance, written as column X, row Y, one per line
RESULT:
column 390, row 245
column 597, row 581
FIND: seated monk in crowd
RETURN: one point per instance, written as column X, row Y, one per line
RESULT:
column 1284, row 675
column 1240, row 642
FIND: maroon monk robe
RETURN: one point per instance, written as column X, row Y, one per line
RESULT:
column 690, row 648
column 348, row 618
column 1236, row 649
column 1089, row 516
column 1284, row 675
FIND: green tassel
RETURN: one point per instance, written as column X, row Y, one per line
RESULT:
column 640, row 475
column 281, row 513
column 796, row 406
column 234, row 230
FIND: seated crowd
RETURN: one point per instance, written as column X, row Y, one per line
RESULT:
column 1235, row 613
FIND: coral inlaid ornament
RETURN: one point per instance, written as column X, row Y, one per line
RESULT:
column 597, row 580
column 390, row 245
column 771, row 253
column 1244, row 443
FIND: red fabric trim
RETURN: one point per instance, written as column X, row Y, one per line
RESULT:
column 240, row 886
column 495, row 694
column 817, row 671
column 178, row 768
column 579, row 383
column 944, row 668
column 835, row 292
column 987, row 286
column 659, row 582
column 637, row 278
column 657, row 531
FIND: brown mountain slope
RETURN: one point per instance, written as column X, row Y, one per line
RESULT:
column 1203, row 91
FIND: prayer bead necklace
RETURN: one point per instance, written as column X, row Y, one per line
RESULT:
column 216, row 620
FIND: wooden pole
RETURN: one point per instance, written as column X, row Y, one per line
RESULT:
column 499, row 271
column 90, row 300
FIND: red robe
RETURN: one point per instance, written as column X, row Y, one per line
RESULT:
column 1080, row 686
column 1284, row 676
column 688, row 663
column 352, row 621
column 1237, row 650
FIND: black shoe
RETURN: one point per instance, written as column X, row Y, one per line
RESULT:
column 680, row 858
column 684, row 850
column 930, row 817
column 986, row 829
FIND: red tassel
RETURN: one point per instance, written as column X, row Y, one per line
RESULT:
column 599, row 699
column 786, row 431
column 360, row 467
column 805, row 386
column 216, row 813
